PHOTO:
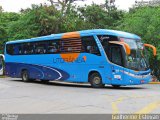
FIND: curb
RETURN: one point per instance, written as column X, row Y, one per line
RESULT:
column 154, row 82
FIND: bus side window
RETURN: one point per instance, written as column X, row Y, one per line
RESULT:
column 30, row 48
column 71, row 45
column 27, row 48
column 10, row 49
column 104, row 39
column 16, row 49
column 116, row 55
column 40, row 48
column 89, row 45
column 20, row 49
column 53, row 47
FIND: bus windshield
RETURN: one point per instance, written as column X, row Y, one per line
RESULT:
column 137, row 59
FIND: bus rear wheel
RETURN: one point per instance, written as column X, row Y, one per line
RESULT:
column 25, row 76
column 96, row 80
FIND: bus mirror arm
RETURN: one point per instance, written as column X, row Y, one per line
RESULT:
column 151, row 46
column 126, row 46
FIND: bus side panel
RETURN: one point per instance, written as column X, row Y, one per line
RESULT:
column 37, row 67
column 36, row 71
column 82, row 67
column 53, row 67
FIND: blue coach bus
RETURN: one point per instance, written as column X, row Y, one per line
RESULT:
column 97, row 56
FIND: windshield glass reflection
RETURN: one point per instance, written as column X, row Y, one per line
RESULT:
column 136, row 60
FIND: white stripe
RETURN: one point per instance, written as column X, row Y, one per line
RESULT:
column 137, row 76
column 52, row 69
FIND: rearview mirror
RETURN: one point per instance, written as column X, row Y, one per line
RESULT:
column 151, row 46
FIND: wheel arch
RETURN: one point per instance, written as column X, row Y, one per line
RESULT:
column 22, row 70
column 94, row 71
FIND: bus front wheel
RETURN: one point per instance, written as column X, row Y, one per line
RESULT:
column 25, row 76
column 96, row 80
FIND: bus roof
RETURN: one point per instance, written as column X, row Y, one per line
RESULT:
column 83, row 33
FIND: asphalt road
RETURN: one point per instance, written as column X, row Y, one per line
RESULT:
column 20, row 97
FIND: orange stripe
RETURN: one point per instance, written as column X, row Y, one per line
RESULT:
column 127, row 47
column 72, row 45
column 72, row 48
column 70, row 57
column 71, row 40
column 71, row 35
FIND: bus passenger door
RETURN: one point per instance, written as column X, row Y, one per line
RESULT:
column 117, row 62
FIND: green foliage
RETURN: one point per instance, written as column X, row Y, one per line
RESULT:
column 6, row 19
column 95, row 17
column 43, row 20
column 3, row 33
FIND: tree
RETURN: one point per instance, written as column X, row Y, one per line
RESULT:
column 101, row 16
column 42, row 19
column 3, row 34
column 1, row 9
column 64, row 4
column 5, row 20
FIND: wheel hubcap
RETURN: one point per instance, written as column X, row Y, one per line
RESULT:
column 24, row 76
column 97, row 80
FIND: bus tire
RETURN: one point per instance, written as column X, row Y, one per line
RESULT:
column 96, row 80
column 116, row 86
column 25, row 76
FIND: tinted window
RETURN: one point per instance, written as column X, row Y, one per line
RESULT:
column 20, row 49
column 10, row 49
column 72, row 45
column 26, row 48
column 116, row 55
column 104, row 39
column 89, row 45
column 40, row 47
column 53, row 47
